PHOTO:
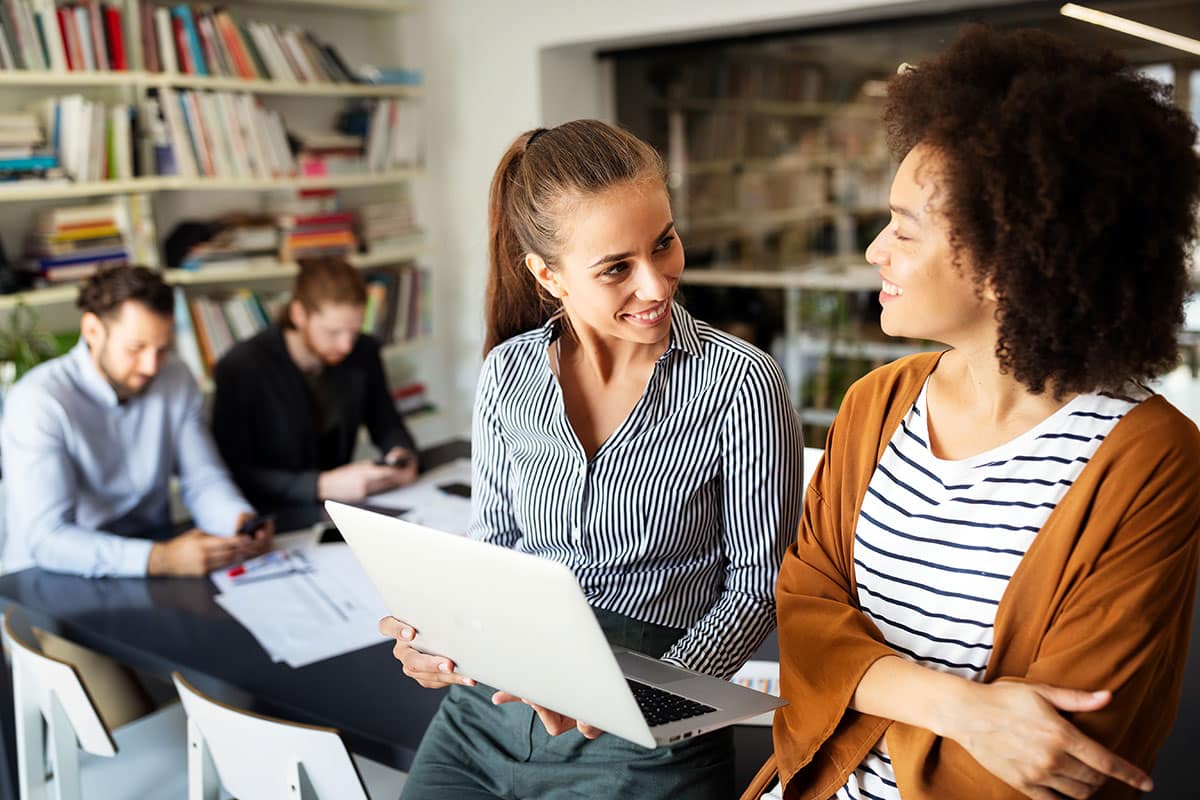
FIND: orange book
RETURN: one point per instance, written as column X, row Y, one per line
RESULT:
column 198, row 322
column 74, row 234
column 233, row 44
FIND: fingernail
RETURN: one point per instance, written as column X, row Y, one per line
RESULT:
column 1146, row 785
column 443, row 667
column 406, row 633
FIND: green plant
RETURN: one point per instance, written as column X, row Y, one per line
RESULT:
column 22, row 342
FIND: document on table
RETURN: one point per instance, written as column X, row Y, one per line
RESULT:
column 323, row 610
column 428, row 501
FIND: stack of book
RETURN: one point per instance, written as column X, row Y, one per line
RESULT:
column 411, row 398
column 386, row 224
column 85, row 36
column 22, row 155
column 320, row 234
column 215, row 134
column 70, row 244
column 235, row 243
column 89, row 140
column 199, row 41
column 328, row 152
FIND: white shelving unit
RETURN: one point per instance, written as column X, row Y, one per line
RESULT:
column 375, row 28
column 835, row 275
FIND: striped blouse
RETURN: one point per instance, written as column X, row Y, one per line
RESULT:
column 938, row 541
column 681, row 518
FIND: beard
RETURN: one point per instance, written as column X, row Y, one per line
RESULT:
column 124, row 390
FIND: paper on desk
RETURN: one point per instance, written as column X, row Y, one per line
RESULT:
column 430, row 506
column 306, row 617
column 762, row 676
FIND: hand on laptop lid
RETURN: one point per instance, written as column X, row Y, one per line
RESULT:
column 430, row 671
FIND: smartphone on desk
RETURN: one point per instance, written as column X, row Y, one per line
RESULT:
column 457, row 488
column 252, row 525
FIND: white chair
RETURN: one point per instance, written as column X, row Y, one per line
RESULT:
column 253, row 757
column 55, row 718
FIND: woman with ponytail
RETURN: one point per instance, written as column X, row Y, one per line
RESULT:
column 657, row 457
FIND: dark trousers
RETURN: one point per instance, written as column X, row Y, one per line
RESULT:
column 474, row 750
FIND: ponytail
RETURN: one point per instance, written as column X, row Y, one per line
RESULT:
column 538, row 172
column 516, row 302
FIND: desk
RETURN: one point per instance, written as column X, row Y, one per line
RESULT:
column 159, row 625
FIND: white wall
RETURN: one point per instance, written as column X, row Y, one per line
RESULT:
column 495, row 69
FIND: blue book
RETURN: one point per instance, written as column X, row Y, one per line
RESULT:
column 51, row 262
column 184, row 14
column 28, row 164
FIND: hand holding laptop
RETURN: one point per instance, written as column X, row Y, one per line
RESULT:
column 554, row 722
column 437, row 672
column 431, row 672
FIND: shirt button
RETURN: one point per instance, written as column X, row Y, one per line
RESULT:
column 576, row 534
column 583, row 469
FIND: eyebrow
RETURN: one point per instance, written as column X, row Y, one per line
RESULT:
column 904, row 212
column 620, row 256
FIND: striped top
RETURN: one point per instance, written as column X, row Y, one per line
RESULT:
column 938, row 541
column 681, row 518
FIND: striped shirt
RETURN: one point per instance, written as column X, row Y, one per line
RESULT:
column 938, row 541
column 681, row 518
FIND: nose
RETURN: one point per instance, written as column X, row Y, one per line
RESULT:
column 876, row 251
column 149, row 362
column 652, row 283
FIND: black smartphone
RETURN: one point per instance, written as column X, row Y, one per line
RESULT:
column 400, row 463
column 457, row 489
column 251, row 526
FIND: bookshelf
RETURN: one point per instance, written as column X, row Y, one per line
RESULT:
column 311, row 96
column 779, row 176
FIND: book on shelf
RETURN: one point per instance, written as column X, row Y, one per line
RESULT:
column 307, row 235
column 411, row 398
column 403, row 314
column 388, row 76
column 203, row 41
column 216, row 135
column 393, row 135
column 84, row 36
column 207, row 326
column 69, row 244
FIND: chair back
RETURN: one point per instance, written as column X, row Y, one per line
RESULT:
column 52, row 708
column 257, row 757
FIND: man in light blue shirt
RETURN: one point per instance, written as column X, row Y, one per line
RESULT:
column 90, row 440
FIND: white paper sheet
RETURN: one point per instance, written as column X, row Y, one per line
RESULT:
column 427, row 504
column 304, row 617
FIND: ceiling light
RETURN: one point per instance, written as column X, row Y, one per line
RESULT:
column 1130, row 27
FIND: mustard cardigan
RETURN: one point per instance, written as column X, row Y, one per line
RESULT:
column 1102, row 600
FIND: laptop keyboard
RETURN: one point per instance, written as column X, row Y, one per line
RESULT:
column 660, row 707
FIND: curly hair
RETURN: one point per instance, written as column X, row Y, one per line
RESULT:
column 108, row 289
column 1071, row 185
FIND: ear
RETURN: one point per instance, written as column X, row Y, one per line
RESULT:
column 545, row 276
column 297, row 314
column 91, row 328
column 989, row 291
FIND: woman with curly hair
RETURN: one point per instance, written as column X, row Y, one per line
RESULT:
column 991, row 589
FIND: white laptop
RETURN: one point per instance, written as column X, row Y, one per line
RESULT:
column 521, row 624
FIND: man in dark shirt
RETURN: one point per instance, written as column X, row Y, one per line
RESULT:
column 289, row 401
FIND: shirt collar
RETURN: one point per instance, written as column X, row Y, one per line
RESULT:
column 684, row 335
column 90, row 380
